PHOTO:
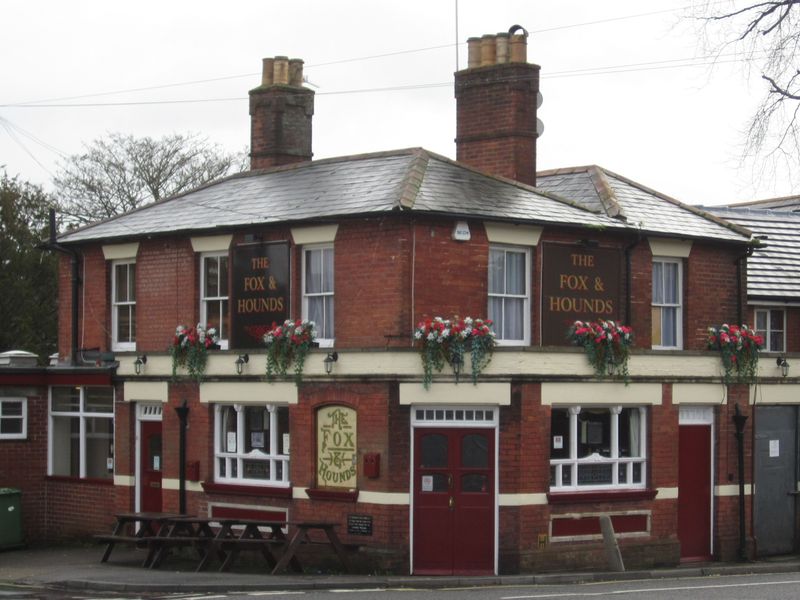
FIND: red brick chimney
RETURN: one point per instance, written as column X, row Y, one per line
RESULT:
column 280, row 115
column 496, row 98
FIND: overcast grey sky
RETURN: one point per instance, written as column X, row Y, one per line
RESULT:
column 618, row 91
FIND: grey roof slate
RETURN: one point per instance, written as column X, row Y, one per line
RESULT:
column 786, row 203
column 773, row 271
column 404, row 180
column 600, row 189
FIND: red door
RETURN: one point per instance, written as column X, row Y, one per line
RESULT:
column 150, row 466
column 694, row 492
column 454, row 483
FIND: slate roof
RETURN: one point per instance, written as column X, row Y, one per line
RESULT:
column 602, row 190
column 786, row 203
column 773, row 271
column 405, row 180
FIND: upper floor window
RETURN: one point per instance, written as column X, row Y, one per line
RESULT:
column 251, row 444
column 771, row 324
column 318, row 291
column 82, row 432
column 509, row 294
column 667, row 308
column 597, row 448
column 123, row 305
column 214, row 295
column 13, row 418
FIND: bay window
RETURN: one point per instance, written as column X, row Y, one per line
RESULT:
column 318, row 291
column 509, row 294
column 214, row 295
column 81, row 440
column 595, row 448
column 251, row 444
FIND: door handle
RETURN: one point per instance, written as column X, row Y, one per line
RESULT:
column 451, row 502
column 449, row 481
column 793, row 493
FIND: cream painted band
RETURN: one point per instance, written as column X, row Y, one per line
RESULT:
column 120, row 251
column 124, row 480
column 786, row 393
column 519, row 235
column 601, row 393
column 175, row 484
column 256, row 392
column 699, row 393
column 732, row 490
column 391, row 498
column 145, row 391
column 452, row 393
column 319, row 234
column 669, row 247
column 667, row 493
column 522, row 499
column 212, row 243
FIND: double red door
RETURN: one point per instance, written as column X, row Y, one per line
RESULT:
column 454, row 495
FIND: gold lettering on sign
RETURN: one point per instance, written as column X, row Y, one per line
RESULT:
column 337, row 456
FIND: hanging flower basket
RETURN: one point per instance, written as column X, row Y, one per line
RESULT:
column 738, row 348
column 447, row 341
column 190, row 347
column 289, row 343
column 607, row 345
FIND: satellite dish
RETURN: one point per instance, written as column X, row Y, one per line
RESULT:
column 539, row 128
column 539, row 99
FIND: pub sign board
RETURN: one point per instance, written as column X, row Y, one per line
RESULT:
column 259, row 291
column 579, row 283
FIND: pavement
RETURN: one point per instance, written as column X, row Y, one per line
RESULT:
column 79, row 568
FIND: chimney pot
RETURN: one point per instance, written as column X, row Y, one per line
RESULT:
column 487, row 50
column 296, row 72
column 281, row 71
column 474, row 50
column 502, row 48
column 519, row 48
column 266, row 71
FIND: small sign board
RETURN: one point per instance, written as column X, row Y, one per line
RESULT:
column 359, row 524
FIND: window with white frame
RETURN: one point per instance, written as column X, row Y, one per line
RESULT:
column 771, row 325
column 123, row 305
column 318, row 291
column 82, row 431
column 251, row 444
column 597, row 448
column 214, row 294
column 667, row 307
column 13, row 418
column 509, row 294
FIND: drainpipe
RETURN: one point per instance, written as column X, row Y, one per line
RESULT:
column 739, row 420
column 629, row 277
column 183, row 417
column 53, row 245
column 739, row 283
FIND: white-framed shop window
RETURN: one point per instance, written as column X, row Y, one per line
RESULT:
column 598, row 448
column 13, row 418
column 214, row 294
column 771, row 325
column 123, row 305
column 81, row 432
column 667, row 304
column 251, row 444
column 509, row 294
column 318, row 291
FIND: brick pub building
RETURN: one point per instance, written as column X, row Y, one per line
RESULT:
column 508, row 475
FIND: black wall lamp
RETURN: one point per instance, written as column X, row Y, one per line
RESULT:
column 458, row 363
column 329, row 360
column 139, row 363
column 240, row 362
column 784, row 366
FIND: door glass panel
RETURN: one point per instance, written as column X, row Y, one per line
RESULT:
column 154, row 447
column 474, row 451
column 434, row 450
column 475, row 482
column 434, row 482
